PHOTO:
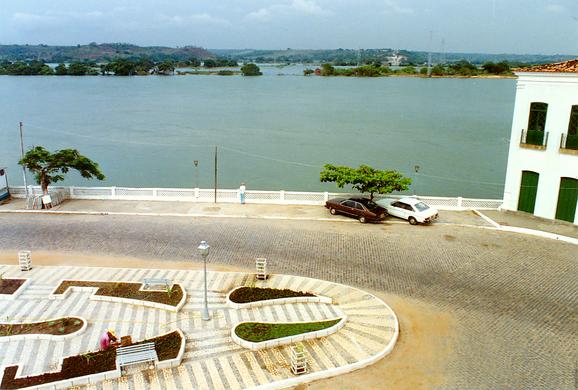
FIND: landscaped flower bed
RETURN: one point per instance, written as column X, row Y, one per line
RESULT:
column 9, row 286
column 260, row 331
column 255, row 294
column 171, row 297
column 167, row 347
column 58, row 327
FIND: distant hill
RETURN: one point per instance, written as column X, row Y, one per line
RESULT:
column 351, row 56
column 106, row 52
column 99, row 52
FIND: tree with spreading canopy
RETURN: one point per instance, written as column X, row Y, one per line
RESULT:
column 251, row 70
column 365, row 179
column 50, row 167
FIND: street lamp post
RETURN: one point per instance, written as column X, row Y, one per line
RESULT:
column 204, row 251
column 416, row 168
column 196, row 163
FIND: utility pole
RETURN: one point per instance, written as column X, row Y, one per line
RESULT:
column 22, row 156
column 196, row 164
column 429, row 54
column 216, row 168
column 443, row 61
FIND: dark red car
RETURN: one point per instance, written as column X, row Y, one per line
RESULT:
column 361, row 208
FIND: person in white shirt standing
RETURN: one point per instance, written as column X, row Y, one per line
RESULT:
column 242, row 193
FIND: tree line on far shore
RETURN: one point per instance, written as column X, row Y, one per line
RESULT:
column 120, row 67
column 376, row 69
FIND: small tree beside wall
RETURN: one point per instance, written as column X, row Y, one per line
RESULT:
column 365, row 179
column 51, row 167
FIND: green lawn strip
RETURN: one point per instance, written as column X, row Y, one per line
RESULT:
column 260, row 331
column 127, row 290
column 254, row 294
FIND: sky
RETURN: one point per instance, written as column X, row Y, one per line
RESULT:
column 483, row 26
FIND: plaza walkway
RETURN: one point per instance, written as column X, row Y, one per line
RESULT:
column 212, row 359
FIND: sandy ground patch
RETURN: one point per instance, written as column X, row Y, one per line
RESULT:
column 77, row 259
column 418, row 360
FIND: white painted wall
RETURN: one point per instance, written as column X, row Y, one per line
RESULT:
column 560, row 91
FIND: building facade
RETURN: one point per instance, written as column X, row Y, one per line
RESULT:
column 542, row 174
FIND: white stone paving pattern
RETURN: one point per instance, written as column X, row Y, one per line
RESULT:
column 212, row 360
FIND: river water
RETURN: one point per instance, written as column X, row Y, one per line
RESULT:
column 274, row 132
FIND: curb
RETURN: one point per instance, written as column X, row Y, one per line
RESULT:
column 195, row 215
column 255, row 346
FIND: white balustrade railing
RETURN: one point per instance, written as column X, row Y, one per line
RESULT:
column 232, row 196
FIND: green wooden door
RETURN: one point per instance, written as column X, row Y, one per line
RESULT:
column 567, row 199
column 528, row 190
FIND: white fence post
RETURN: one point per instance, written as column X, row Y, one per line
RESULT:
column 325, row 196
column 196, row 194
column 71, row 192
column 282, row 196
column 155, row 193
column 113, row 192
column 460, row 202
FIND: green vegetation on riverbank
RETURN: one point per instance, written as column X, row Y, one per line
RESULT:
column 459, row 69
column 119, row 67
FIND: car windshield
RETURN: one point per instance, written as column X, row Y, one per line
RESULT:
column 421, row 206
column 368, row 203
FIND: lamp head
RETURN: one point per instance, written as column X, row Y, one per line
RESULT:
column 204, row 248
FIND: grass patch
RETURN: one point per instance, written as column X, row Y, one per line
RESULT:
column 254, row 294
column 58, row 327
column 259, row 331
column 170, row 297
column 167, row 347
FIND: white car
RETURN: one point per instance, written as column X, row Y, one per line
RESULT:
column 412, row 209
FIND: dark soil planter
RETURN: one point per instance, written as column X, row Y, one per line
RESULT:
column 9, row 286
column 127, row 290
column 57, row 327
column 167, row 347
column 260, row 331
column 255, row 294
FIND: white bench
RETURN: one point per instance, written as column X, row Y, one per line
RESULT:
column 135, row 354
column 167, row 283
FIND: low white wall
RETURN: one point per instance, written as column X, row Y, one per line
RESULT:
column 251, row 197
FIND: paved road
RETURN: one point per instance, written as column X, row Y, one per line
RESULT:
column 515, row 297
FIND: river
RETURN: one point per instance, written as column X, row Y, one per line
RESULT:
column 273, row 132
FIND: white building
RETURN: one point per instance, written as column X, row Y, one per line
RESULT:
column 542, row 175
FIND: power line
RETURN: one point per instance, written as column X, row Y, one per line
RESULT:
column 270, row 158
column 249, row 154
column 461, row 180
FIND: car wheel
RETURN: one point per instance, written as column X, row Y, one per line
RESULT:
column 332, row 211
column 412, row 221
column 362, row 219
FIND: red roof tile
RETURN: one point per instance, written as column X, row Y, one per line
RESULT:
column 560, row 67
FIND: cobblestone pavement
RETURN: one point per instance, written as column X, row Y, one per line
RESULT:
column 210, row 354
column 514, row 297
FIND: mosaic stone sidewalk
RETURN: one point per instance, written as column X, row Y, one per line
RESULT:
column 212, row 360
